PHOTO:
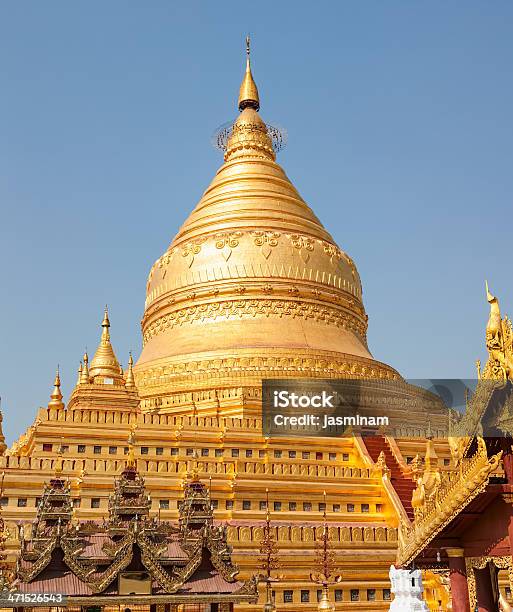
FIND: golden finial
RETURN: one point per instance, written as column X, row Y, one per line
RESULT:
column 56, row 396
column 105, row 325
column 130, row 381
column 248, row 94
column 84, row 373
column 106, row 322
column 79, row 373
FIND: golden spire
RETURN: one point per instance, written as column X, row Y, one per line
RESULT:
column 56, row 396
column 104, row 362
column 130, row 381
column 248, row 94
column 79, row 373
column 84, row 370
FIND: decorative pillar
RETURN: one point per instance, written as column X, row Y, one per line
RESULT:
column 458, row 577
column 484, row 590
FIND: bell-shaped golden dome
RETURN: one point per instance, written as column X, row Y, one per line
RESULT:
column 253, row 282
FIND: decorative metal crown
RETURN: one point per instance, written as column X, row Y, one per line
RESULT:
column 220, row 137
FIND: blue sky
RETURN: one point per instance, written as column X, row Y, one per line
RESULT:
column 400, row 138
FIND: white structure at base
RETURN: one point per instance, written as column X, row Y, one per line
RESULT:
column 407, row 588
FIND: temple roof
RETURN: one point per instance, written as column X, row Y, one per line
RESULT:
column 91, row 559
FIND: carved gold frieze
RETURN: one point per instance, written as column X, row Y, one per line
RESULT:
column 266, row 240
column 256, row 308
column 264, row 366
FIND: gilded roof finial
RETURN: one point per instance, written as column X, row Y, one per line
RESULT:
column 104, row 362
column 499, row 342
column 84, row 372
column 495, row 320
column 130, row 381
column 248, row 94
column 56, row 396
column 106, row 323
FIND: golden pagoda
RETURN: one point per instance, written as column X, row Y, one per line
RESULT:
column 252, row 287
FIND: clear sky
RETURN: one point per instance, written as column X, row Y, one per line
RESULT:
column 399, row 117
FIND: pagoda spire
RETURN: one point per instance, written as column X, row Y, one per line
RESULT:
column 84, row 370
column 56, row 396
column 248, row 93
column 104, row 363
column 130, row 381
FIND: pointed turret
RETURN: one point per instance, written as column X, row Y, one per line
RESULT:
column 130, row 381
column 104, row 383
column 104, row 363
column 248, row 94
column 84, row 370
column 249, row 135
column 56, row 396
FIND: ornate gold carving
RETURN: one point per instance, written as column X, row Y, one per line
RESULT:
column 266, row 240
column 192, row 248
column 255, row 308
column 304, row 244
column 473, row 563
column 499, row 342
column 332, row 251
column 454, row 492
column 226, row 242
